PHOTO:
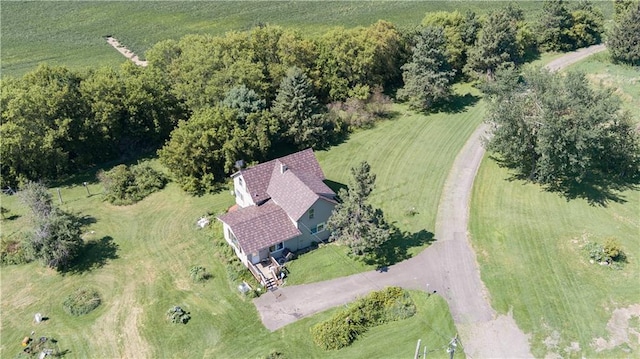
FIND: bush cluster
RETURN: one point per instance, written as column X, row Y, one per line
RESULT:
column 610, row 253
column 13, row 252
column 199, row 274
column 82, row 301
column 129, row 184
column 388, row 305
column 358, row 113
column 178, row 315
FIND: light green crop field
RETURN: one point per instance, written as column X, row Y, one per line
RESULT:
column 71, row 32
column 529, row 246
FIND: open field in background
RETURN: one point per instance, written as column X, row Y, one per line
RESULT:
column 71, row 33
column 528, row 243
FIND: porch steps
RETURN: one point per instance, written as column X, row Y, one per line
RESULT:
column 270, row 284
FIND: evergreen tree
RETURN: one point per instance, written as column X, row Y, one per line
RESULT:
column 497, row 45
column 354, row 221
column 244, row 101
column 428, row 77
column 302, row 121
column 554, row 26
column 624, row 39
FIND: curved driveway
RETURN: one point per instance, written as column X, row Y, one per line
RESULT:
column 448, row 266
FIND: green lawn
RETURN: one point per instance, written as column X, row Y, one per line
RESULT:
column 528, row 244
column 411, row 156
column 155, row 242
column 71, row 33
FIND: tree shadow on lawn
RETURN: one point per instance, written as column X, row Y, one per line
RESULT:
column 395, row 250
column 457, row 104
column 95, row 254
column 597, row 190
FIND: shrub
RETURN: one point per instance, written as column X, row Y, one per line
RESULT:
column 611, row 253
column 613, row 250
column 339, row 331
column 127, row 185
column 13, row 252
column 81, row 302
column 178, row 315
column 199, row 274
column 359, row 113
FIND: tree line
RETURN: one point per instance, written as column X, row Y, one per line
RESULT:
column 207, row 101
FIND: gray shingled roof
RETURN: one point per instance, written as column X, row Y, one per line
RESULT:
column 258, row 227
column 281, row 197
column 257, row 178
column 293, row 194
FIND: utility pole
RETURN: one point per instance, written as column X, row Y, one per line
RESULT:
column 59, row 195
column 452, row 346
column 415, row 356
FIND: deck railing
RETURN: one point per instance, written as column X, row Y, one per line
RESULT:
column 257, row 274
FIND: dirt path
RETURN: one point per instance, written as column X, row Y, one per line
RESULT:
column 125, row 52
column 448, row 267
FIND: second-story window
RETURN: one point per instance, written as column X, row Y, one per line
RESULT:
column 311, row 213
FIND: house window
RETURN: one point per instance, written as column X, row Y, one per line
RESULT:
column 317, row 229
column 239, row 195
column 276, row 247
column 240, row 181
column 233, row 239
column 311, row 213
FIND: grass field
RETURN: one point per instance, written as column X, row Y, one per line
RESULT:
column 141, row 269
column 71, row 33
column 528, row 244
column 411, row 156
column 141, row 254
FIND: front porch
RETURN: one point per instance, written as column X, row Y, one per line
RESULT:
column 269, row 272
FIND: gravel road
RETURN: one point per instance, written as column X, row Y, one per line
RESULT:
column 448, row 267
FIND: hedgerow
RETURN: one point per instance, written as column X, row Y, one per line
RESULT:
column 388, row 305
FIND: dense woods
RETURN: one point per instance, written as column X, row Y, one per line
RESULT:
column 206, row 101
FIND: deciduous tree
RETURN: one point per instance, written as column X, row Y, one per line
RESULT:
column 564, row 134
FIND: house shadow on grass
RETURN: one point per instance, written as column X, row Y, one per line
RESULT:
column 335, row 186
column 95, row 254
column 396, row 249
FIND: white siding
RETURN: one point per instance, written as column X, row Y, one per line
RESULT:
column 243, row 198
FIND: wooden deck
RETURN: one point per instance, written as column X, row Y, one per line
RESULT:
column 268, row 273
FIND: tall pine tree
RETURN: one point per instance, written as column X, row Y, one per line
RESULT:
column 428, row 77
column 302, row 120
column 624, row 39
column 354, row 221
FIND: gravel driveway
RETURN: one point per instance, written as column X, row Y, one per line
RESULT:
column 448, row 267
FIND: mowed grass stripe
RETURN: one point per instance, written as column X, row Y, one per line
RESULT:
column 529, row 247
